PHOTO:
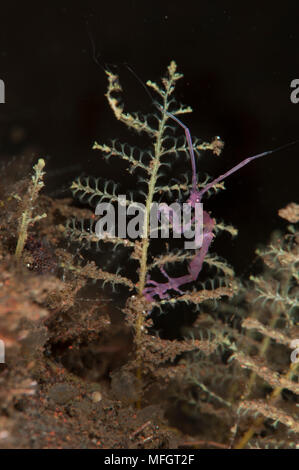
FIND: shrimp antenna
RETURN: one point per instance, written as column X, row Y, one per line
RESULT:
column 243, row 163
column 95, row 55
column 93, row 47
column 155, row 103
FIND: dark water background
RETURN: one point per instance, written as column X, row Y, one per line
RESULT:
column 238, row 60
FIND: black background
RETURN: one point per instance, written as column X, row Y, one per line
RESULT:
column 238, row 60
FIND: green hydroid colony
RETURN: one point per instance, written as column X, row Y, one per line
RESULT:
column 220, row 368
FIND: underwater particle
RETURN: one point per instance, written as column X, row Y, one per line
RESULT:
column 96, row 396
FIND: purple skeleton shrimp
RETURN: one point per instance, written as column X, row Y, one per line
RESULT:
column 160, row 289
